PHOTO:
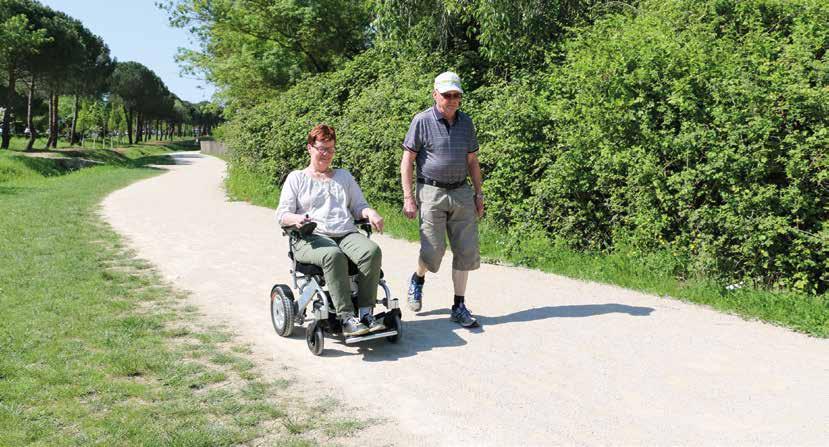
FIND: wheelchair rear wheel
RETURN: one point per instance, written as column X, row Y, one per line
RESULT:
column 282, row 309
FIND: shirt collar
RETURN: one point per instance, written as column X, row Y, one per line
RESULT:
column 439, row 116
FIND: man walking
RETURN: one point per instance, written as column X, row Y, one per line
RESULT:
column 442, row 143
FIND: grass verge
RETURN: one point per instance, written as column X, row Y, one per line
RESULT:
column 96, row 350
column 647, row 272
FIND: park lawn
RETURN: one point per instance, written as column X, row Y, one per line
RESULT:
column 95, row 349
column 626, row 267
column 18, row 143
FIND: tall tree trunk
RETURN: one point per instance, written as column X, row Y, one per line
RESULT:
column 50, row 128
column 29, row 123
column 139, row 128
column 128, row 115
column 57, row 123
column 73, row 138
column 53, row 121
column 7, row 135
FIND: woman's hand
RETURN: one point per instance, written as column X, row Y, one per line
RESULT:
column 374, row 218
column 296, row 220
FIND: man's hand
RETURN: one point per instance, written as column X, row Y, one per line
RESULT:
column 409, row 207
column 374, row 218
column 479, row 205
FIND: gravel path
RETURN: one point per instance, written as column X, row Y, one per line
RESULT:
column 557, row 361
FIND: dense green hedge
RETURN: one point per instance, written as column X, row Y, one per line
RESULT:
column 697, row 128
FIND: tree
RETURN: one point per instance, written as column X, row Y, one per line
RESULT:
column 251, row 48
column 497, row 36
column 20, row 39
column 143, row 94
column 91, row 74
column 56, row 64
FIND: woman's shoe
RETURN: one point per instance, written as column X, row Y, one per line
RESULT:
column 352, row 327
column 374, row 324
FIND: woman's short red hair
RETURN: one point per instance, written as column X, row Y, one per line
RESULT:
column 322, row 132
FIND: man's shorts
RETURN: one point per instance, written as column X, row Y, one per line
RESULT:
column 448, row 212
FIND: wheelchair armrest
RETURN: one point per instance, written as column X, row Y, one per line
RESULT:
column 305, row 230
column 364, row 225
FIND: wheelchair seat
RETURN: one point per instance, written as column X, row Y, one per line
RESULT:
column 312, row 270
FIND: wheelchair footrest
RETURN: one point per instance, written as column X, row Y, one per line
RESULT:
column 351, row 340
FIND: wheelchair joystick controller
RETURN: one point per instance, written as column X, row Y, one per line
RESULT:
column 307, row 228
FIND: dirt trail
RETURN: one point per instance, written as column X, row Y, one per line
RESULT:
column 557, row 361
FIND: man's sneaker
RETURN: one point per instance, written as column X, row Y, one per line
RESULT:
column 462, row 316
column 415, row 295
column 352, row 327
column 373, row 324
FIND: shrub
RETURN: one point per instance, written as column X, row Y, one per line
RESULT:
column 702, row 126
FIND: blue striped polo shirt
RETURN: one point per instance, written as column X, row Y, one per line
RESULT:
column 441, row 148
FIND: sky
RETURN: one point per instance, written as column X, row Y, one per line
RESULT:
column 137, row 30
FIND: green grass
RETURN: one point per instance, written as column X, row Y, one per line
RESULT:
column 648, row 272
column 19, row 143
column 249, row 187
column 94, row 348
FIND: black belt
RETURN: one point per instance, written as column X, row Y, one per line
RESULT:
column 428, row 181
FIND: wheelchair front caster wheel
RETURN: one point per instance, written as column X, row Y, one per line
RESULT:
column 393, row 322
column 314, row 338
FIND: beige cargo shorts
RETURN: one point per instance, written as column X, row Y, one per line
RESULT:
column 448, row 212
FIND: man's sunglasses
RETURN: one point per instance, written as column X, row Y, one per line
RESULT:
column 449, row 96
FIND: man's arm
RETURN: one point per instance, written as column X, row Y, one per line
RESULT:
column 406, row 170
column 474, row 168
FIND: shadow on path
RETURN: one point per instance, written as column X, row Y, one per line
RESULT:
column 421, row 335
column 572, row 311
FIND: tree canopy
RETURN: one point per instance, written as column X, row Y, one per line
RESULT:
column 47, row 55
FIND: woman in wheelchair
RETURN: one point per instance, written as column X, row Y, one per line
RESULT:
column 332, row 199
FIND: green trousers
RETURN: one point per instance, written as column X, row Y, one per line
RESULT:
column 332, row 255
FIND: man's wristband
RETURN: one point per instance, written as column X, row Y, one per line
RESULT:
column 479, row 195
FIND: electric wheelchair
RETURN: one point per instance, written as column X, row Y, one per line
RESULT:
column 312, row 296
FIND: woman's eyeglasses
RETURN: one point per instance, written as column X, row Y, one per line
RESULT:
column 450, row 96
column 324, row 150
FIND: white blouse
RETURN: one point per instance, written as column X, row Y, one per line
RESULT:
column 332, row 203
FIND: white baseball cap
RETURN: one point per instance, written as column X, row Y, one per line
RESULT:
column 448, row 82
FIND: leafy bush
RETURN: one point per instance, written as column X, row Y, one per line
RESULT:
column 700, row 126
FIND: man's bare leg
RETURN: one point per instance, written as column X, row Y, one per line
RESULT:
column 421, row 269
column 459, row 279
column 460, row 314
